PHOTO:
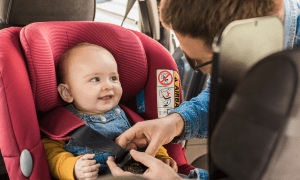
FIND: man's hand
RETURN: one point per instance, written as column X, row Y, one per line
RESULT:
column 85, row 168
column 153, row 133
column 171, row 163
column 156, row 168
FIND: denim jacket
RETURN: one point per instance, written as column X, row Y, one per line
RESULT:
column 195, row 111
column 195, row 116
column 291, row 23
column 111, row 124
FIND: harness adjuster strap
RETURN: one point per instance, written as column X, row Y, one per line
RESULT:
column 90, row 138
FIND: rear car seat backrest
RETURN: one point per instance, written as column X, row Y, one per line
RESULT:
column 22, row 13
column 257, row 136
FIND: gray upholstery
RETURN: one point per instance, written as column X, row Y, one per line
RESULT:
column 201, row 162
column 4, row 4
column 21, row 13
column 258, row 130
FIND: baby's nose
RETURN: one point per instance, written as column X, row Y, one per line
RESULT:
column 107, row 85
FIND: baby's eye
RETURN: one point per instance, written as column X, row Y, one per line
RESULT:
column 95, row 79
column 113, row 78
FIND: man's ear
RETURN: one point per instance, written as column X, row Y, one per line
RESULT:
column 65, row 94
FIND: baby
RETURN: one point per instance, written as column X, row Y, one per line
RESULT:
column 90, row 84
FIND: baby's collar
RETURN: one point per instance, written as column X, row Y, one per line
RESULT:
column 86, row 113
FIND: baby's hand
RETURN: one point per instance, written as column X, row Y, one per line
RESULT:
column 171, row 163
column 85, row 168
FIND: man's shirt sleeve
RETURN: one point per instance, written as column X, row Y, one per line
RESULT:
column 195, row 116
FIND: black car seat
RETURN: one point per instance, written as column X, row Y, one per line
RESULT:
column 22, row 13
column 257, row 135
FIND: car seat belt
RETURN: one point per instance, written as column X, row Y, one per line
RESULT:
column 87, row 136
column 146, row 28
column 90, row 138
column 72, row 126
column 129, row 6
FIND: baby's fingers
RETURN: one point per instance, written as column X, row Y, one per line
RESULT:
column 87, row 156
column 171, row 163
column 174, row 166
column 91, row 175
column 166, row 161
column 92, row 168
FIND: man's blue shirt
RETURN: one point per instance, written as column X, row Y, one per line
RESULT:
column 291, row 23
column 195, row 111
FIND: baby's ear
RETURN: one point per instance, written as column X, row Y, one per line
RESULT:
column 65, row 94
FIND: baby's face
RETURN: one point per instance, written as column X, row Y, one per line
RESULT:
column 93, row 80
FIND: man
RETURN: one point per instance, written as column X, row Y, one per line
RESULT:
column 196, row 23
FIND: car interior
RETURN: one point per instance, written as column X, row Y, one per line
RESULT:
column 34, row 34
column 19, row 14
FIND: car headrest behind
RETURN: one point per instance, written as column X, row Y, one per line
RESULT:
column 44, row 43
column 252, row 132
column 21, row 13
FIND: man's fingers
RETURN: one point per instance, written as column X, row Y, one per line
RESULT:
column 125, row 138
column 153, row 147
column 115, row 170
column 141, row 142
column 144, row 158
column 135, row 132
column 131, row 146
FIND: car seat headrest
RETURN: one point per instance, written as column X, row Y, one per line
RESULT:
column 21, row 13
column 44, row 43
column 248, row 139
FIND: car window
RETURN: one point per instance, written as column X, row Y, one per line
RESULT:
column 113, row 11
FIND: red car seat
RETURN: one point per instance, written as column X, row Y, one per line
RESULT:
column 28, row 83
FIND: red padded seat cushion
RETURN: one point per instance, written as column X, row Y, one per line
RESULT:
column 45, row 42
column 19, row 128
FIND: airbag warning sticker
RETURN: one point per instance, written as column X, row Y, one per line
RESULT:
column 168, row 93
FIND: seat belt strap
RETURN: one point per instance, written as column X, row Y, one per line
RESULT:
column 145, row 18
column 92, row 139
column 146, row 28
column 129, row 6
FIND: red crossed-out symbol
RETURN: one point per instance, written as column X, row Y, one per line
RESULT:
column 163, row 78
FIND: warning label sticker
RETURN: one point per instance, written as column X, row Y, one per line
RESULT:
column 168, row 93
column 165, row 78
column 176, row 90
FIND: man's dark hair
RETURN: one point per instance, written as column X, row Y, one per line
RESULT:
column 205, row 18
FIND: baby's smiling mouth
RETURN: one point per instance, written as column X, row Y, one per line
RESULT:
column 107, row 97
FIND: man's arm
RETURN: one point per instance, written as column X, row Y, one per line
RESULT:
column 188, row 121
column 195, row 116
column 153, row 133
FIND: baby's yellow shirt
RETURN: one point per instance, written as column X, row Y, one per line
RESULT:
column 61, row 163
